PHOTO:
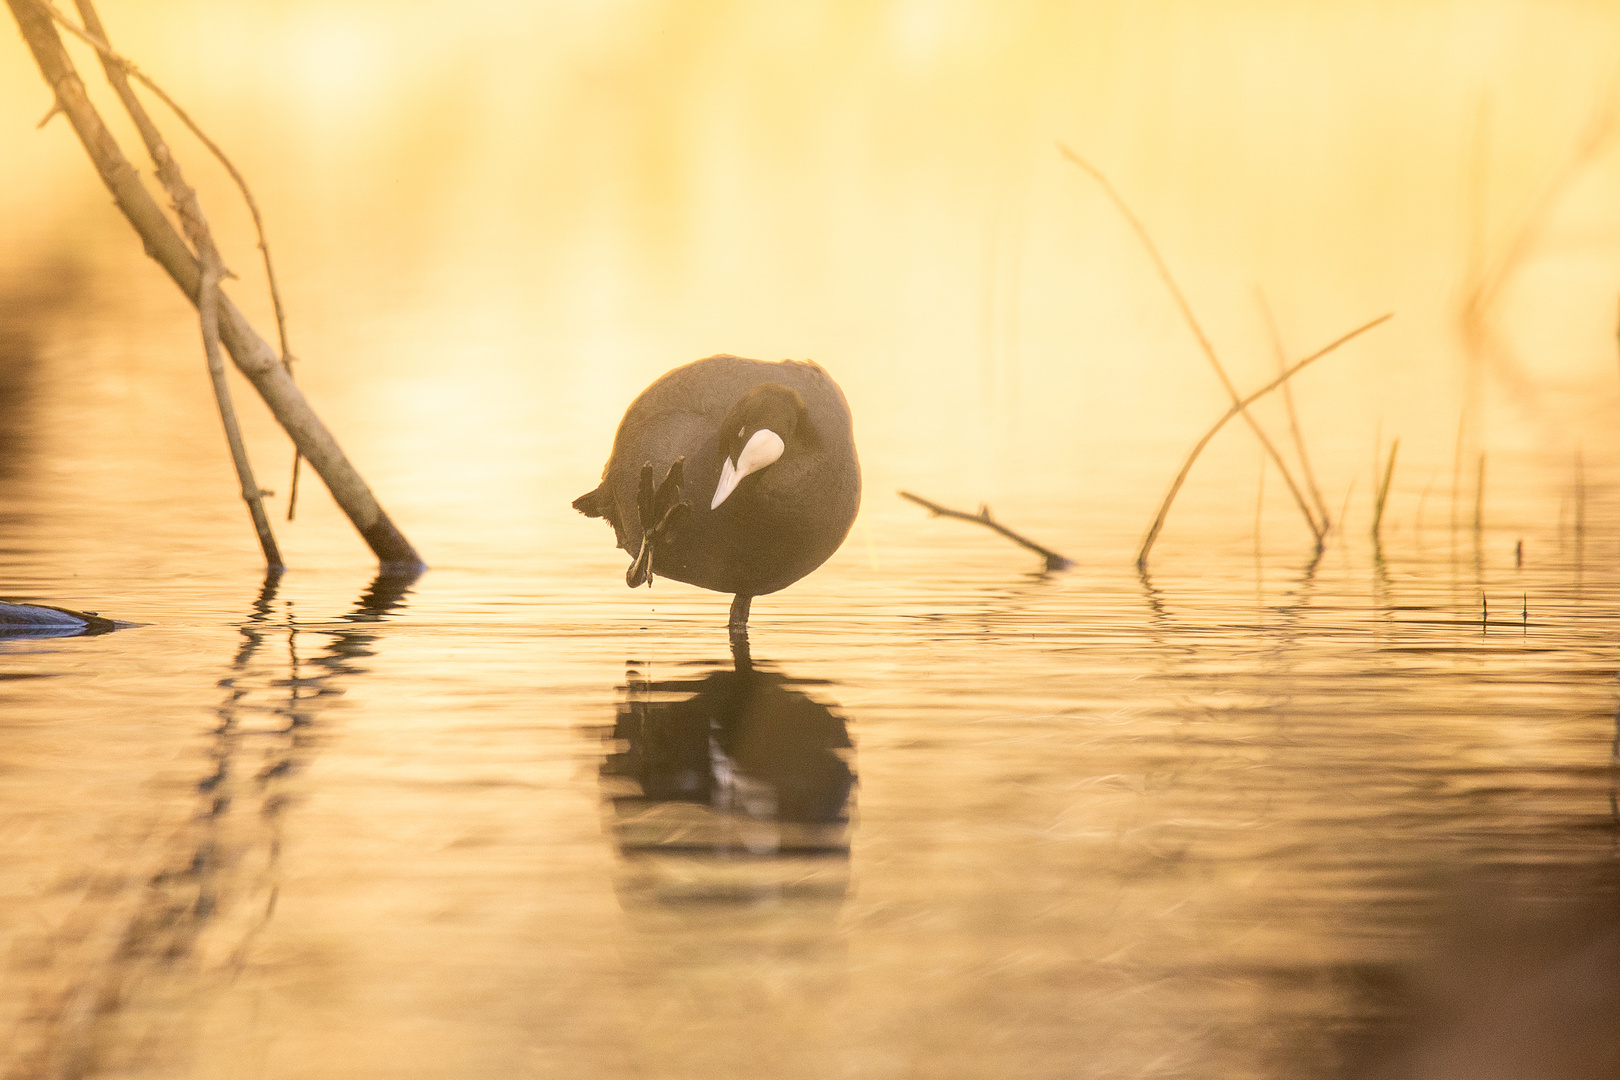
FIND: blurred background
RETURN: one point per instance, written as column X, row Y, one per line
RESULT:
column 495, row 226
column 1204, row 823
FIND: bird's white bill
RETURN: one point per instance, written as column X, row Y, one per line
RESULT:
column 764, row 448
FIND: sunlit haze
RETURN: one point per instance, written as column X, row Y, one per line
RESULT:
column 955, row 816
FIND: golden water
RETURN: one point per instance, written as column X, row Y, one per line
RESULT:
column 1195, row 823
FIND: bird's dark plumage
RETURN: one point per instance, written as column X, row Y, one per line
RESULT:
column 743, row 472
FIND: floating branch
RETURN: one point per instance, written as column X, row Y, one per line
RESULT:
column 1240, row 406
column 1054, row 561
column 252, row 355
column 1318, row 529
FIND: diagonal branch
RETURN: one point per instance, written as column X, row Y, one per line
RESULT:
column 1238, row 407
column 208, row 313
column 252, row 355
column 119, row 71
column 195, row 225
column 94, row 36
column 1317, row 529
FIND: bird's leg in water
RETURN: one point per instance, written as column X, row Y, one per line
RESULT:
column 738, row 624
column 661, row 514
column 741, row 661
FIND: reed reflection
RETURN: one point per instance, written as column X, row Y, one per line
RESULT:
column 734, row 785
column 265, row 735
column 185, row 911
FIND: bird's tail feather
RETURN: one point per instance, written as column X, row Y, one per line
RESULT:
column 590, row 503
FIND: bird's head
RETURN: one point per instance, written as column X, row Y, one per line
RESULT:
column 756, row 432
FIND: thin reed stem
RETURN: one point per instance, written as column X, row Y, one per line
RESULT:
column 1383, row 490
column 1259, row 504
column 1293, row 418
column 1344, row 507
column 1580, row 497
column 1456, row 469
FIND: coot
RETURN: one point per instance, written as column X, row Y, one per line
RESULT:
column 731, row 474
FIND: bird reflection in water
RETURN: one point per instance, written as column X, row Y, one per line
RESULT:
column 732, row 786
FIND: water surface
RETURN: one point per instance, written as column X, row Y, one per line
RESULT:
column 958, row 818
column 1173, row 826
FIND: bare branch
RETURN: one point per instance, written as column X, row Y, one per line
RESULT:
column 252, row 354
column 195, row 225
column 119, row 70
column 93, row 36
column 1487, row 279
column 208, row 313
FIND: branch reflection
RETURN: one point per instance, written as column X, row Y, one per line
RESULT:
column 181, row 914
column 265, row 735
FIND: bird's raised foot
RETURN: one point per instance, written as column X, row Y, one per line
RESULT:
column 665, row 508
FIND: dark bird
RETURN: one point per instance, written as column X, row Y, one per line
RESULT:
column 731, row 474
column 48, row 620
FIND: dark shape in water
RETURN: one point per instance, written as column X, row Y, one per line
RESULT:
column 760, row 482
column 728, row 795
column 46, row 621
column 1521, row 982
column 746, row 744
column 731, row 788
